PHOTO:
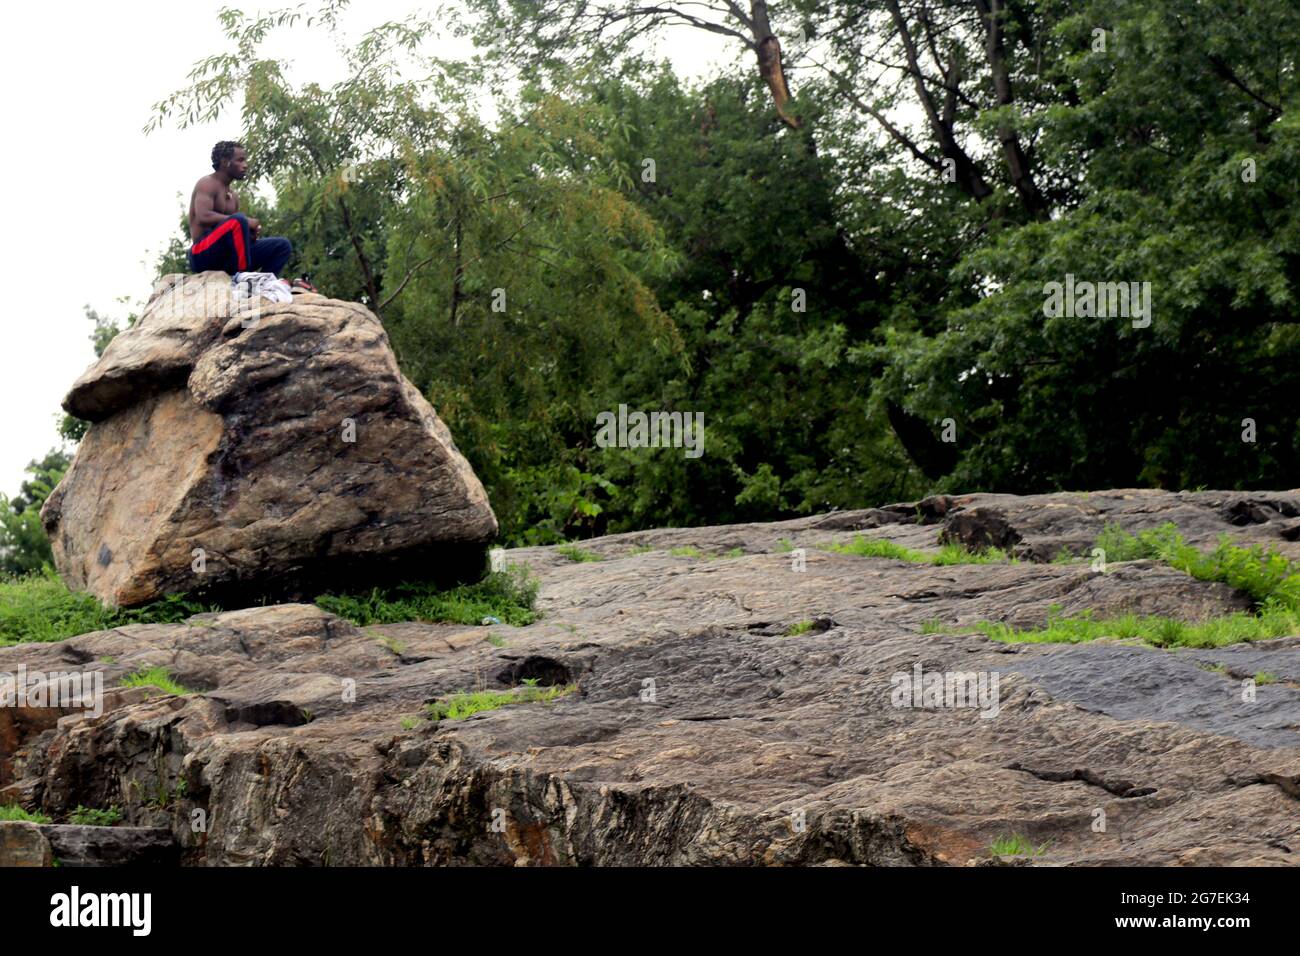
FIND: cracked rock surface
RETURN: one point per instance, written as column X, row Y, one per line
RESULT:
column 699, row 733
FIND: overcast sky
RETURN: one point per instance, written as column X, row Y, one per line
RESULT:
column 90, row 200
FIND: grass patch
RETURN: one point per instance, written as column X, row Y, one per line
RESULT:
column 1268, row 577
column 690, row 551
column 948, row 554
column 1266, row 677
column 158, row 677
column 39, row 607
column 799, row 627
column 575, row 553
column 88, row 817
column 466, row 703
column 508, row 595
column 1155, row 630
column 392, row 643
column 1016, row 845
column 11, row 814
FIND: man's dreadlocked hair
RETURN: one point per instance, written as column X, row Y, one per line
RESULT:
column 224, row 150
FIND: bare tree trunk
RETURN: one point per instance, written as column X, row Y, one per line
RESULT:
column 770, row 68
column 968, row 174
column 1022, row 177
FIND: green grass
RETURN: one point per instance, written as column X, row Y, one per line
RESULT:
column 799, row 627
column 1266, row 677
column 1016, row 845
column 1268, row 577
column 496, row 640
column 11, row 814
column 948, row 554
column 393, row 644
column 86, row 816
column 158, row 677
column 690, row 551
column 39, row 607
column 466, row 703
column 575, row 553
column 1273, row 621
column 509, row 595
column 640, row 549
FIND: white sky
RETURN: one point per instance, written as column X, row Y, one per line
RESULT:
column 90, row 200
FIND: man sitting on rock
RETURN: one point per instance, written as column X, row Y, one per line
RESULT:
column 223, row 237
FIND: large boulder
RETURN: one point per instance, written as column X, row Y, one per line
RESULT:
column 244, row 450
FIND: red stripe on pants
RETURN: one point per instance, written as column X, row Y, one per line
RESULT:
column 231, row 225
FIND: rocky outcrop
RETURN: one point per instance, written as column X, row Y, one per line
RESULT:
column 729, row 710
column 265, row 452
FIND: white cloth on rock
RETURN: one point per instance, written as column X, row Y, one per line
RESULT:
column 266, row 284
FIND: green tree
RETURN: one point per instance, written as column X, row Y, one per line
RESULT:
column 23, row 544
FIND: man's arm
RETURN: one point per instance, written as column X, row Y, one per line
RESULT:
column 205, row 211
column 207, row 216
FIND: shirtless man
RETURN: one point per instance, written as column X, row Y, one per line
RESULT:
column 222, row 237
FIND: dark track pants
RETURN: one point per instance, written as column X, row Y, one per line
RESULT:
column 230, row 247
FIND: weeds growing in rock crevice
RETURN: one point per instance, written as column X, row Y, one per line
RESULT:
column 158, row 677
column 1155, row 630
column 690, row 551
column 1270, row 578
column 510, row 596
column 575, row 553
column 1015, row 845
column 467, row 703
column 948, row 554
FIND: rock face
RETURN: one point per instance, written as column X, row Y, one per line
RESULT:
column 706, row 728
column 258, row 452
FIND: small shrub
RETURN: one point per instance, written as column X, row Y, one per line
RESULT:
column 86, row 816
column 10, row 814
